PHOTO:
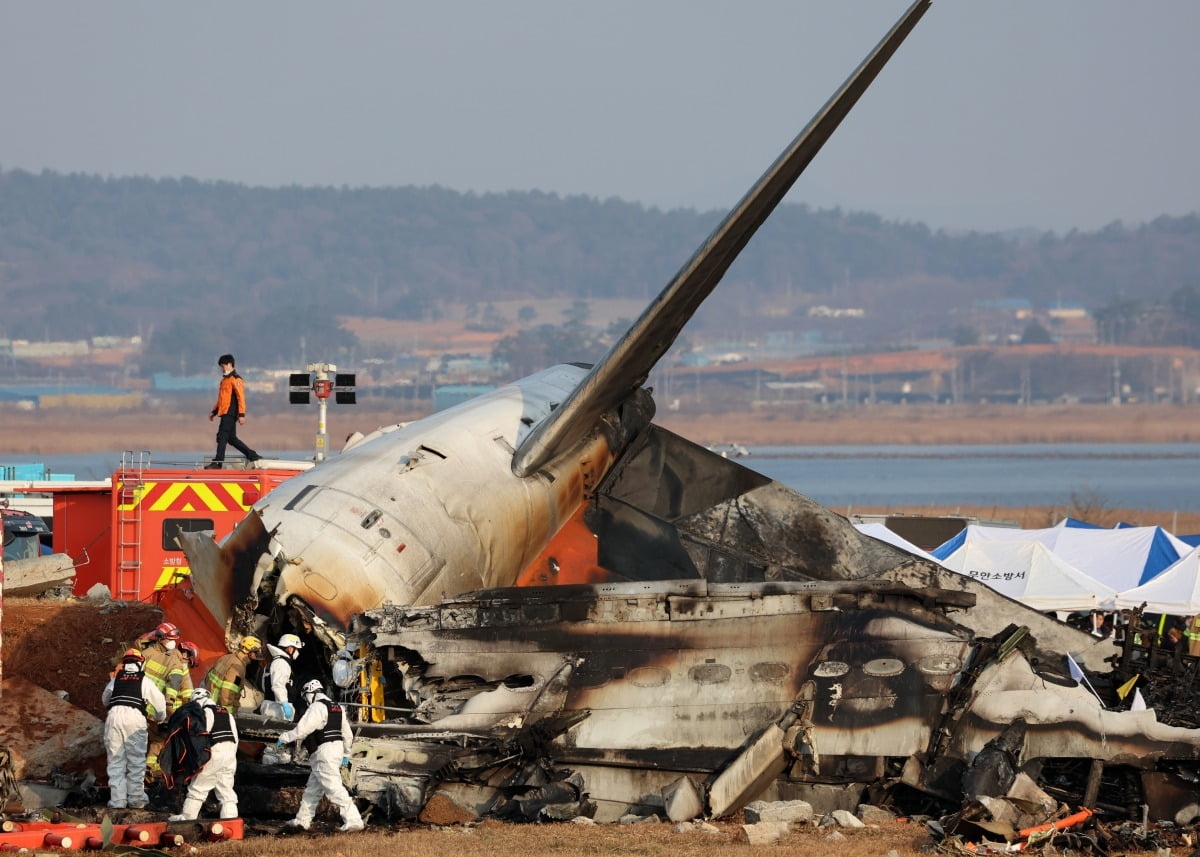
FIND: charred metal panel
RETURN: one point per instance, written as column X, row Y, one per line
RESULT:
column 856, row 677
column 672, row 506
column 686, row 675
column 1067, row 720
column 993, row 612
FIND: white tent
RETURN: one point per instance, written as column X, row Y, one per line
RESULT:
column 1027, row 571
column 876, row 530
column 1176, row 591
column 1121, row 558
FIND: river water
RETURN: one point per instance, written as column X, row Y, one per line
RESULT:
column 1127, row 476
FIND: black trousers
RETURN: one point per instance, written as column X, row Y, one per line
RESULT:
column 227, row 434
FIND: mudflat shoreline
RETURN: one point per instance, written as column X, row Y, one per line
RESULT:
column 53, row 432
column 81, row 431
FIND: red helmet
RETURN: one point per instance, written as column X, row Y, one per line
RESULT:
column 190, row 651
column 167, row 631
column 132, row 656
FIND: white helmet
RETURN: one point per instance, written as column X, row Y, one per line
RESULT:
column 200, row 695
column 312, row 688
column 290, row 641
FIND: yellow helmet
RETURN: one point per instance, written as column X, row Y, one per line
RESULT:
column 251, row 644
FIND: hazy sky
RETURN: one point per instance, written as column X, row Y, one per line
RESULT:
column 994, row 114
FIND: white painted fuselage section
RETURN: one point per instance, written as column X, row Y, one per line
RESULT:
column 418, row 512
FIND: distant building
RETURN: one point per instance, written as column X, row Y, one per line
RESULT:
column 44, row 397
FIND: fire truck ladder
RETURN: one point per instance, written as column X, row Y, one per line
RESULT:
column 129, row 524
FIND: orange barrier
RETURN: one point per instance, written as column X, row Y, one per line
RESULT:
column 30, row 835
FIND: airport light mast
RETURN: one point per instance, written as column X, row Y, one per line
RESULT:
column 317, row 381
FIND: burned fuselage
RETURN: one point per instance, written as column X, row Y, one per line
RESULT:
column 630, row 687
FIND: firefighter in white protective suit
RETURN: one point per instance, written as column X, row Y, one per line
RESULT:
column 279, row 677
column 130, row 697
column 218, row 772
column 325, row 731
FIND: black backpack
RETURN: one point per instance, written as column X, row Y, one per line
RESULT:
column 187, row 745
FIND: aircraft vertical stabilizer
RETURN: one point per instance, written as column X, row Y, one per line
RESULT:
column 628, row 363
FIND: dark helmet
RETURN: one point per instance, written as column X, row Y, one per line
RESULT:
column 191, row 652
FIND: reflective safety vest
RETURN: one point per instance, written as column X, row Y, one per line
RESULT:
column 1193, row 629
column 222, row 729
column 127, row 691
column 332, row 731
column 169, row 672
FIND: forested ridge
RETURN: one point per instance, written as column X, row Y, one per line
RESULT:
column 189, row 264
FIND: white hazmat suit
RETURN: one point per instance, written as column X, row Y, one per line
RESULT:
column 325, row 760
column 279, row 677
column 218, row 772
column 126, row 734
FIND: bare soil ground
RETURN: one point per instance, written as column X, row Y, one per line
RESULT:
column 71, row 644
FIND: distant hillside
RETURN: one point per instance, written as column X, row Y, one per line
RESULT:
column 197, row 268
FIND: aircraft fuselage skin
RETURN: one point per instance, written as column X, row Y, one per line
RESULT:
column 411, row 514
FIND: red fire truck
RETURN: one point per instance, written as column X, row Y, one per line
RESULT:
column 122, row 533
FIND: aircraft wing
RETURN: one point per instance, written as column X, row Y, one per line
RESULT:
column 628, row 363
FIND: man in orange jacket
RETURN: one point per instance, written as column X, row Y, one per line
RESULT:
column 231, row 409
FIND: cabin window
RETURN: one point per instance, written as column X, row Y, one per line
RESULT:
column 172, row 527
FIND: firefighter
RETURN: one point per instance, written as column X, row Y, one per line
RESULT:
column 1193, row 635
column 225, row 680
column 325, row 731
column 130, row 696
column 218, row 772
column 167, row 667
column 191, row 654
column 279, row 674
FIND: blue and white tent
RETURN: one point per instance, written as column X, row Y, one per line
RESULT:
column 1176, row 591
column 1121, row 559
column 1027, row 571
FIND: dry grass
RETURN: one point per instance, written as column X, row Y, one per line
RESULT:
column 493, row 839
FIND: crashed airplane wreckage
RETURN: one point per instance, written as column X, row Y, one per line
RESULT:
column 557, row 607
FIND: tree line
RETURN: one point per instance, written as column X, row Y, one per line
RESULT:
column 198, row 268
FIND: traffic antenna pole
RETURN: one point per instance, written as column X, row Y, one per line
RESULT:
column 317, row 381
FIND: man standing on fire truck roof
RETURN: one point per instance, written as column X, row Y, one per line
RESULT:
column 231, row 409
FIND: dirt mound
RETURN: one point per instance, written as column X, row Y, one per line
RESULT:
column 70, row 645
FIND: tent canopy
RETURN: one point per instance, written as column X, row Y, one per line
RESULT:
column 1027, row 571
column 1176, row 591
column 1120, row 559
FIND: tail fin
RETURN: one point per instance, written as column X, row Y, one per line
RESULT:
column 628, row 363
